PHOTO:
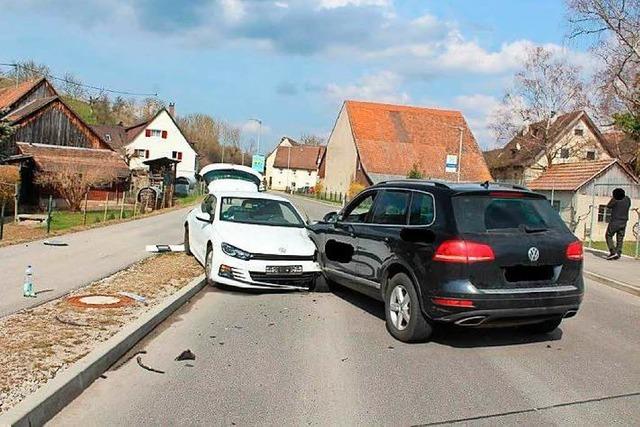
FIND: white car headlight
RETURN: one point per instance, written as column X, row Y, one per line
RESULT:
column 235, row 252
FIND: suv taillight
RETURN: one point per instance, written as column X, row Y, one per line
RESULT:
column 462, row 251
column 574, row 251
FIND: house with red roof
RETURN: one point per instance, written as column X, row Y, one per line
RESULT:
column 373, row 142
column 580, row 191
column 567, row 138
column 292, row 166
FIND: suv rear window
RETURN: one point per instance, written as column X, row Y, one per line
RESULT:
column 487, row 213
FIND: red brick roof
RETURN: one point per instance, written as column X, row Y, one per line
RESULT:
column 117, row 135
column 570, row 176
column 305, row 157
column 10, row 94
column 49, row 158
column 391, row 138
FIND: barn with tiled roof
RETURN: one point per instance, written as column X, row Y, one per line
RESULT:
column 372, row 142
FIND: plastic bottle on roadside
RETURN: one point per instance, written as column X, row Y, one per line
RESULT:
column 27, row 288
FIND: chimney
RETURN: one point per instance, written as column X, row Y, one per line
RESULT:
column 172, row 109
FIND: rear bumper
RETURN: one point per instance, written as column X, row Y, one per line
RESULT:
column 508, row 316
column 504, row 308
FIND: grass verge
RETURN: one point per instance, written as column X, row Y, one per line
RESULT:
column 629, row 248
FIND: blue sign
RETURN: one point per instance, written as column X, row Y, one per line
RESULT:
column 257, row 163
column 451, row 164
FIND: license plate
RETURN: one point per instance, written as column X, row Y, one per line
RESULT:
column 284, row 269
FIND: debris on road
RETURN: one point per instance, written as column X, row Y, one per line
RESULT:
column 344, row 359
column 133, row 296
column 186, row 355
column 55, row 242
column 148, row 368
column 164, row 248
column 70, row 322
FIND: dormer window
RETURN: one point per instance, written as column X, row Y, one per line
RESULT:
column 107, row 137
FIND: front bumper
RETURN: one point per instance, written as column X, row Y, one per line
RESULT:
column 252, row 274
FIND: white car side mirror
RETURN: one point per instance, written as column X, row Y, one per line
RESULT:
column 204, row 217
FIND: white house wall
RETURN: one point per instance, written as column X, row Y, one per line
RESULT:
column 282, row 179
column 159, row 147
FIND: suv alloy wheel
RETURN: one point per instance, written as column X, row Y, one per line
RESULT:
column 402, row 311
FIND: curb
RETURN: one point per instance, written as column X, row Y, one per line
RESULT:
column 634, row 290
column 600, row 251
column 48, row 400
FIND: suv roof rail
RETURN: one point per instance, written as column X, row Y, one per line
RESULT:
column 433, row 182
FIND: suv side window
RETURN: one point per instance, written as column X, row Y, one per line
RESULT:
column 391, row 208
column 208, row 205
column 422, row 209
column 359, row 212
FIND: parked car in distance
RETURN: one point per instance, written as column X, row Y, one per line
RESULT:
column 251, row 240
column 474, row 255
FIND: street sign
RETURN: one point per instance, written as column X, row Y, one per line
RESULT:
column 257, row 163
column 451, row 164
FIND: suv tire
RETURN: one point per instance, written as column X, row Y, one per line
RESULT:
column 404, row 319
column 543, row 327
column 320, row 284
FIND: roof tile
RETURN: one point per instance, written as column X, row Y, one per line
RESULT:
column 305, row 157
column 391, row 138
column 570, row 176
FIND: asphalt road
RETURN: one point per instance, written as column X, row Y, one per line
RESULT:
column 326, row 359
column 90, row 255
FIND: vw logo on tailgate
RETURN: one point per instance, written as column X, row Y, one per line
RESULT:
column 534, row 254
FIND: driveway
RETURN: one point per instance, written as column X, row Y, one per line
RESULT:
column 90, row 255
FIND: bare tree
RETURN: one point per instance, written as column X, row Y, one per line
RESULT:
column 73, row 185
column 149, row 108
column 613, row 27
column 72, row 86
column 28, row 70
column 309, row 139
column 544, row 88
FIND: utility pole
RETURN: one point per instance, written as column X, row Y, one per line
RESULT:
column 461, row 129
column 259, row 132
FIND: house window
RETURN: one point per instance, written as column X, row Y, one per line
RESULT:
column 107, row 137
column 140, row 152
column 591, row 154
column 555, row 205
column 176, row 155
column 564, row 153
column 578, row 132
column 155, row 132
column 604, row 213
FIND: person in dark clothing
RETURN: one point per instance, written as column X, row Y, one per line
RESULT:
column 619, row 206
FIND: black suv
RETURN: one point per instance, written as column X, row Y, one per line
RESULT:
column 469, row 254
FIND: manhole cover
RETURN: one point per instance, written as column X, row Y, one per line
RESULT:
column 100, row 301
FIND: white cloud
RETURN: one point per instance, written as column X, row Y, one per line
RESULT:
column 332, row 4
column 252, row 127
column 479, row 110
column 380, row 87
column 233, row 10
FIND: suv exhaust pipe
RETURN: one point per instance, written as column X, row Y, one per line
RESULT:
column 570, row 313
column 471, row 321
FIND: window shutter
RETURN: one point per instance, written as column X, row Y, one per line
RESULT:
column 179, row 155
column 164, row 134
column 147, row 132
column 146, row 154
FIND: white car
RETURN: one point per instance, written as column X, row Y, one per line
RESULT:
column 249, row 239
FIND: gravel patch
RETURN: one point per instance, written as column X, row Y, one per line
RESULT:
column 37, row 343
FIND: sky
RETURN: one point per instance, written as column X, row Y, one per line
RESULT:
column 291, row 63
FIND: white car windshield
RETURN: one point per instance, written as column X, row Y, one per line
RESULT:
column 260, row 211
